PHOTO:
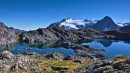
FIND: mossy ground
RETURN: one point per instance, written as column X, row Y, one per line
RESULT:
column 59, row 66
column 64, row 66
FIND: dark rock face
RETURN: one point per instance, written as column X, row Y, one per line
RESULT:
column 100, row 56
column 78, row 61
column 66, row 44
column 105, row 24
column 63, row 34
column 89, row 34
column 38, row 36
column 45, row 35
column 69, row 57
column 6, row 34
column 29, row 53
column 119, row 35
column 125, row 29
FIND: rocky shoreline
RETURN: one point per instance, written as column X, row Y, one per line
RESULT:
column 87, row 60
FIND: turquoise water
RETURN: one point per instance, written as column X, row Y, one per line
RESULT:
column 112, row 47
column 20, row 48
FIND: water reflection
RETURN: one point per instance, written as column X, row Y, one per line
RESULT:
column 41, row 48
column 105, row 43
column 4, row 47
column 113, row 47
column 53, row 44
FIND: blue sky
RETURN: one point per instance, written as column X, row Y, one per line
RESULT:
column 32, row 14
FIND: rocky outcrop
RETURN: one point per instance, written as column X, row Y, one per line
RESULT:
column 38, row 36
column 90, row 34
column 63, row 34
column 6, row 35
column 119, row 64
column 84, row 51
column 125, row 29
column 53, row 55
column 45, row 35
column 118, row 35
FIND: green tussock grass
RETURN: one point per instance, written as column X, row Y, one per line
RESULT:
column 66, row 66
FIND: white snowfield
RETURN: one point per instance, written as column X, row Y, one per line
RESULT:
column 120, row 25
column 76, row 24
column 73, row 24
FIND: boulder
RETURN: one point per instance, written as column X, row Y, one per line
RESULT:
column 7, row 54
column 70, row 57
column 101, row 56
column 5, row 67
column 66, row 44
column 78, row 61
column 53, row 55
column 29, row 53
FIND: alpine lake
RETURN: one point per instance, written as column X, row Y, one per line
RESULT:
column 112, row 47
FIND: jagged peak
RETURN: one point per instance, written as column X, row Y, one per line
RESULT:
column 87, row 20
column 107, row 18
column 65, row 19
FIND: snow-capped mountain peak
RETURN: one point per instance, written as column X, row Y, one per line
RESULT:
column 72, row 24
column 104, row 24
column 74, row 21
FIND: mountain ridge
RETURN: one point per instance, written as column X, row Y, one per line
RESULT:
column 74, row 24
column 17, row 30
column 55, row 32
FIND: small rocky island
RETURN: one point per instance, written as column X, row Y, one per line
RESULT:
column 86, row 60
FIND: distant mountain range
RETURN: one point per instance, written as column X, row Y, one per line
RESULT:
column 82, row 30
column 17, row 30
column 104, row 24
column 73, row 24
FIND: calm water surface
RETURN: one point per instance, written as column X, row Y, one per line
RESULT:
column 20, row 48
column 113, row 47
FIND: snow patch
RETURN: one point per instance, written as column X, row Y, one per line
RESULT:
column 76, row 24
column 120, row 24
